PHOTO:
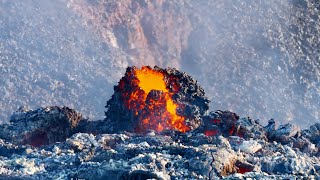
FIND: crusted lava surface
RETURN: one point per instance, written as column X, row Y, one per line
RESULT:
column 40, row 127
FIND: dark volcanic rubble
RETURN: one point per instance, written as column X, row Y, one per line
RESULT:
column 40, row 127
column 171, row 155
column 58, row 143
column 224, row 146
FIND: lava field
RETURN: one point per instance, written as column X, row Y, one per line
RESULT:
column 157, row 126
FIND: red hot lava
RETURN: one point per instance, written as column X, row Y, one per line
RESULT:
column 150, row 100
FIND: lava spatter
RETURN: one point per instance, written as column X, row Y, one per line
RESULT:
column 157, row 110
column 156, row 99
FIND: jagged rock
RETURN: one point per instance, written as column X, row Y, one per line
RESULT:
column 285, row 133
column 271, row 126
column 235, row 142
column 40, row 127
column 219, row 123
column 94, row 127
column 239, row 130
column 250, row 146
column 249, row 128
column 224, row 162
column 315, row 133
column 284, row 160
column 8, row 149
column 305, row 145
column 229, row 124
column 130, row 155
column 310, row 140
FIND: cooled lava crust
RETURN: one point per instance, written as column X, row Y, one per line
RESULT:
column 156, row 99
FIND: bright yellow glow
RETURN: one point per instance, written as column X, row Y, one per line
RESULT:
column 150, row 80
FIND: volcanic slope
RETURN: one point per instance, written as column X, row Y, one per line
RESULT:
column 259, row 59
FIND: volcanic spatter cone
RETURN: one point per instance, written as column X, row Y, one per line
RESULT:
column 156, row 99
column 58, row 143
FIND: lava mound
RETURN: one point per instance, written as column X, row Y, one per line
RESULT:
column 156, row 99
column 40, row 127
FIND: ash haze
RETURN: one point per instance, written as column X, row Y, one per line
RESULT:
column 256, row 58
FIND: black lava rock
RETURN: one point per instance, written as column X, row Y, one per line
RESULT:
column 40, row 127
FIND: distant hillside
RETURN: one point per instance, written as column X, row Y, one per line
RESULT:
column 259, row 59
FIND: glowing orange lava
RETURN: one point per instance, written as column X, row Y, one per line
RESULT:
column 159, row 111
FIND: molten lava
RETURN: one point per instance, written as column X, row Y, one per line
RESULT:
column 151, row 101
column 211, row 132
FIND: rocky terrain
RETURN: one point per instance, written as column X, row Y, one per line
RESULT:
column 259, row 59
column 253, row 151
column 140, row 138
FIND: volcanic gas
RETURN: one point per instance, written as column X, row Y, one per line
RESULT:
column 157, row 99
